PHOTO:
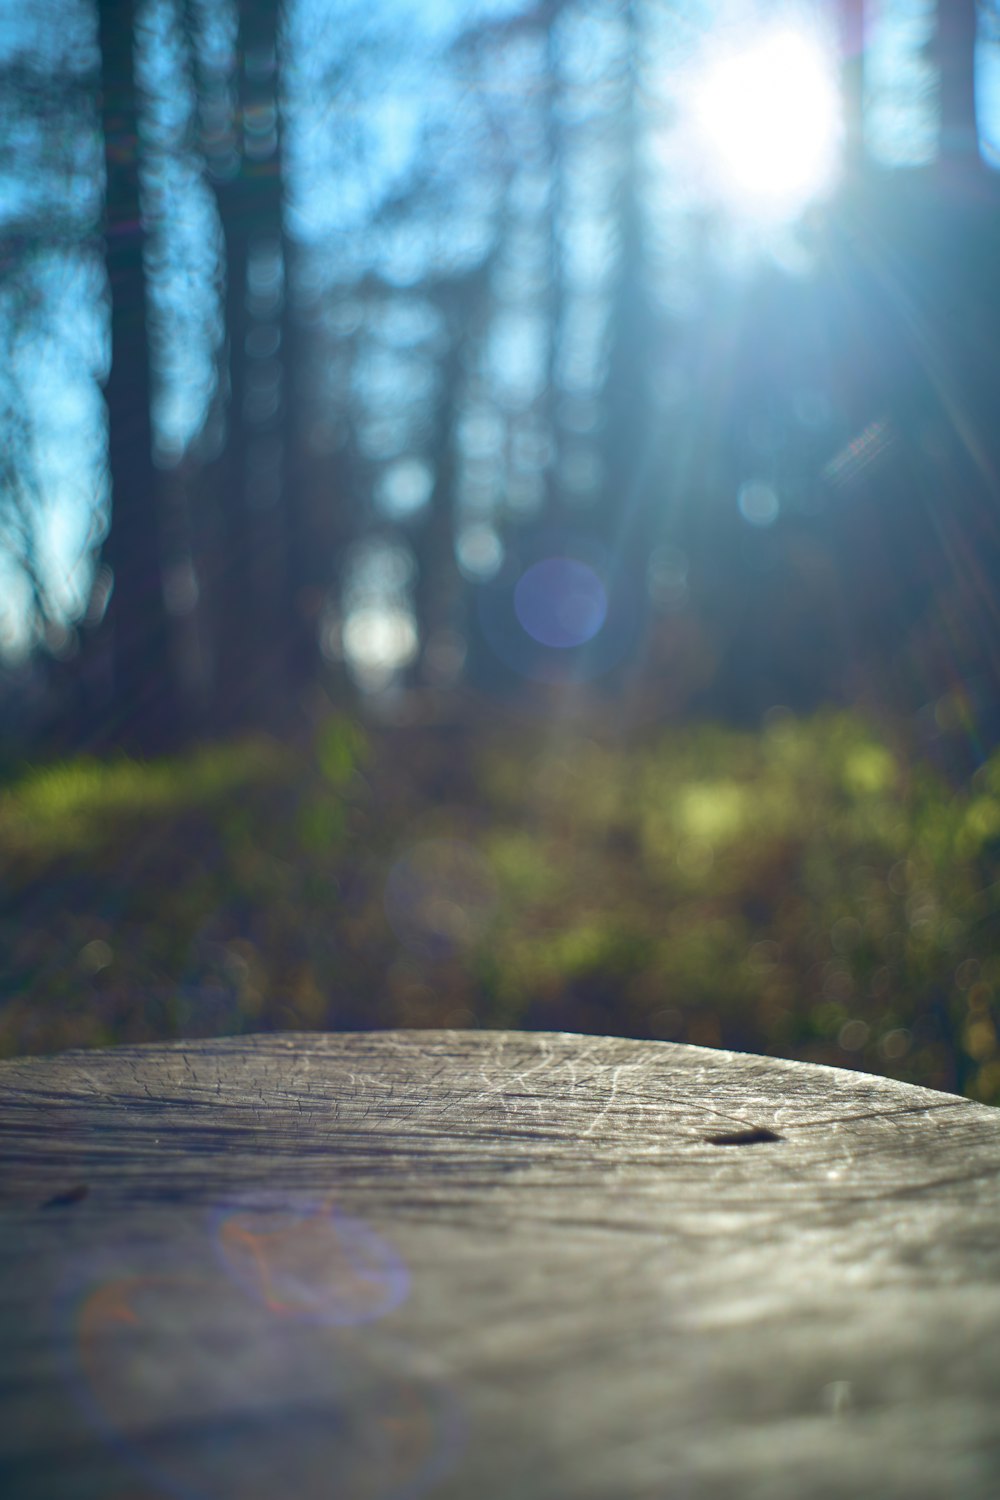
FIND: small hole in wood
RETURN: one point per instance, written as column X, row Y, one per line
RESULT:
column 68, row 1198
column 755, row 1137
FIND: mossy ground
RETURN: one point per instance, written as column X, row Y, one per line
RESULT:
column 811, row 891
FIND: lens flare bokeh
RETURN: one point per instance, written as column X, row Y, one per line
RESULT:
column 252, row 1383
column 560, row 602
column 310, row 1262
column 564, row 612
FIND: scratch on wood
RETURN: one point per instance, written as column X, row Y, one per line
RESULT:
column 602, row 1113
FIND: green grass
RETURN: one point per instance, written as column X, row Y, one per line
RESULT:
column 71, row 805
column 812, row 891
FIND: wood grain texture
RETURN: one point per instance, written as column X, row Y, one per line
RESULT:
column 493, row 1265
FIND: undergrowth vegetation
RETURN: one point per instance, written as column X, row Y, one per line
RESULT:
column 812, row 891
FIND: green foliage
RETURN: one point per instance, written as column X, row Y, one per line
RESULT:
column 341, row 746
column 73, row 804
column 812, row 891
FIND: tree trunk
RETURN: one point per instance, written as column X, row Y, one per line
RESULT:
column 255, row 627
column 144, row 708
column 956, row 50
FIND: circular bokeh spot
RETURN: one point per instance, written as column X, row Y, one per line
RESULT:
column 560, row 602
column 404, row 488
column 439, row 895
column 758, row 503
column 561, row 611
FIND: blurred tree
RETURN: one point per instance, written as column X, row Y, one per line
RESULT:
column 47, row 221
column 145, row 707
column 439, row 594
column 240, row 129
column 526, row 325
column 20, row 518
column 956, row 42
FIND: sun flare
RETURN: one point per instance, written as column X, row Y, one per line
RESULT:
column 768, row 122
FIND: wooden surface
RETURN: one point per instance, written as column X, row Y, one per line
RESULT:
column 498, row 1266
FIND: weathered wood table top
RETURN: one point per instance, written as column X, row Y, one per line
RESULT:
column 489, row 1265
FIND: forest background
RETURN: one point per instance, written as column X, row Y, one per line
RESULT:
column 493, row 533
